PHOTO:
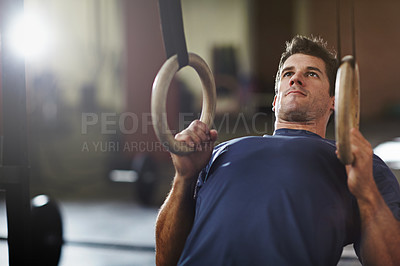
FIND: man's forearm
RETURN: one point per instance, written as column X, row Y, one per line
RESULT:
column 174, row 222
column 380, row 244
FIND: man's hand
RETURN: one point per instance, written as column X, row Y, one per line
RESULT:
column 360, row 175
column 199, row 136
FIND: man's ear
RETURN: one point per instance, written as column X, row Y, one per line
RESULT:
column 333, row 104
column 273, row 103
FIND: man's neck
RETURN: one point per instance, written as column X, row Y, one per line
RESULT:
column 311, row 126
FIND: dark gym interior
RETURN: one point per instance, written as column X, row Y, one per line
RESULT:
column 92, row 165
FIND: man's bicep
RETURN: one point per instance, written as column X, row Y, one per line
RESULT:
column 389, row 188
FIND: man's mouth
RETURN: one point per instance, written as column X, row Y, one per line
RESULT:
column 296, row 92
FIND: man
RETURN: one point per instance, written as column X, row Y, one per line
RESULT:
column 284, row 199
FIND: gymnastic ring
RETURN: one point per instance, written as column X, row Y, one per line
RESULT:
column 159, row 99
column 347, row 106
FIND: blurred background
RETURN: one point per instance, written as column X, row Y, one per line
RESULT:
column 90, row 65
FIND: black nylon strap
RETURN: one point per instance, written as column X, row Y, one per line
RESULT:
column 172, row 28
column 339, row 41
column 353, row 31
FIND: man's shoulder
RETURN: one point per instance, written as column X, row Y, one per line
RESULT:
column 236, row 140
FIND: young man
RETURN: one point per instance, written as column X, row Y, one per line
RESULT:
column 284, row 199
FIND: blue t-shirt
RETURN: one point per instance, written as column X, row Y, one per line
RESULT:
column 277, row 200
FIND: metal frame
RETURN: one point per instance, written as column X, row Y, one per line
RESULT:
column 14, row 171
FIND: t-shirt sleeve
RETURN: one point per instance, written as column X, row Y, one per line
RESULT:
column 206, row 170
column 388, row 187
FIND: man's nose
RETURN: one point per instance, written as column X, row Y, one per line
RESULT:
column 296, row 79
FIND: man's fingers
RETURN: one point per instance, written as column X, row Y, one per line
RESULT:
column 200, row 130
column 360, row 147
column 357, row 139
column 197, row 124
column 197, row 135
column 185, row 138
column 213, row 135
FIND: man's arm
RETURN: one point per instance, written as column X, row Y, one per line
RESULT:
column 380, row 230
column 175, row 218
column 174, row 222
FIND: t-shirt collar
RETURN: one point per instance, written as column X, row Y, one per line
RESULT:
column 295, row 132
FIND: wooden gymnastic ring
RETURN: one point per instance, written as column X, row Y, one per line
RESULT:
column 347, row 106
column 159, row 99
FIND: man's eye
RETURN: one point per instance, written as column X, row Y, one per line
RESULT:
column 313, row 74
column 287, row 74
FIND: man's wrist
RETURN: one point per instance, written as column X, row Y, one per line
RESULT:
column 186, row 184
column 370, row 203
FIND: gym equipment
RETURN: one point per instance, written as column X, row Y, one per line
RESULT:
column 347, row 95
column 46, row 237
column 146, row 183
column 159, row 98
column 47, row 233
column 347, row 106
column 142, row 172
column 178, row 57
column 14, row 170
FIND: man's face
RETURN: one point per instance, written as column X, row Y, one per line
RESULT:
column 303, row 90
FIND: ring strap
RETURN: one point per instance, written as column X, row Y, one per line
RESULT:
column 172, row 30
column 353, row 31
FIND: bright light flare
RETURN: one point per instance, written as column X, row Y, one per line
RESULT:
column 390, row 153
column 30, row 36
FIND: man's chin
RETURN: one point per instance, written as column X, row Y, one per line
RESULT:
column 296, row 116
